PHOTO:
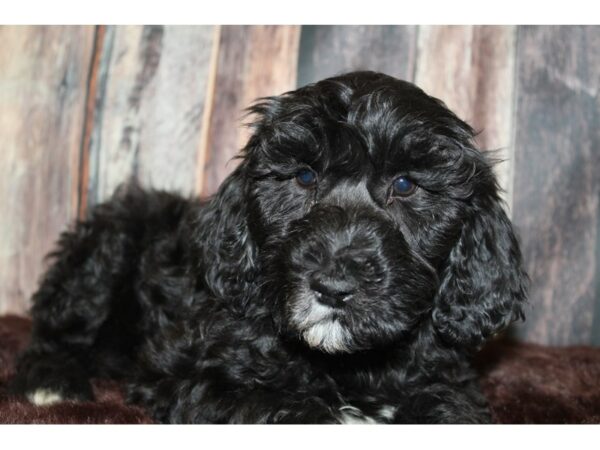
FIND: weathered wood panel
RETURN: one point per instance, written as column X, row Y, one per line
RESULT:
column 95, row 91
column 149, row 115
column 556, row 182
column 83, row 109
column 471, row 68
column 253, row 62
column 43, row 80
column 326, row 51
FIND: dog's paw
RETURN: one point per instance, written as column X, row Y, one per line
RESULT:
column 45, row 394
column 50, row 392
column 46, row 379
column 44, row 397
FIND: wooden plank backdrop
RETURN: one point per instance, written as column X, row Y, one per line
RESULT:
column 253, row 62
column 84, row 108
column 330, row 50
column 556, row 184
column 150, row 113
column 471, row 68
column 43, row 78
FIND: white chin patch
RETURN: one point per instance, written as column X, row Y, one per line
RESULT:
column 318, row 326
column 44, row 397
column 329, row 336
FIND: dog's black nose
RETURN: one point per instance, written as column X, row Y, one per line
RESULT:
column 332, row 291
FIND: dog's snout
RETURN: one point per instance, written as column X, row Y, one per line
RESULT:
column 339, row 255
column 333, row 290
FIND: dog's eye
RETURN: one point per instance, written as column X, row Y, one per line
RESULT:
column 403, row 187
column 306, row 178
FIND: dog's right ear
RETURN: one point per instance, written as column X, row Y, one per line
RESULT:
column 224, row 250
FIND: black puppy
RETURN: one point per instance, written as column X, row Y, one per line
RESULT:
column 345, row 272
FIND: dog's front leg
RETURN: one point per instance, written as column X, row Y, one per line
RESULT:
column 208, row 402
column 445, row 404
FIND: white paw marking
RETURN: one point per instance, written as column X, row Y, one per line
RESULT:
column 44, row 397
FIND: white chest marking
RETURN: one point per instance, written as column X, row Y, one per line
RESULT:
column 351, row 415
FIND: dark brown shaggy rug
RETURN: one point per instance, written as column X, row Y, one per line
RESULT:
column 524, row 383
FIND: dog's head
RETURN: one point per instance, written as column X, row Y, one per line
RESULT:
column 366, row 213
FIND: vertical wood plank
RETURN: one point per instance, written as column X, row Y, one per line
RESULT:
column 471, row 68
column 95, row 92
column 43, row 81
column 556, row 185
column 253, row 62
column 326, row 51
column 149, row 119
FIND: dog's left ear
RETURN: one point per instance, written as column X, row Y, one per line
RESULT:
column 483, row 286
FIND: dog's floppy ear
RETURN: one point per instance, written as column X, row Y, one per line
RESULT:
column 225, row 252
column 483, row 285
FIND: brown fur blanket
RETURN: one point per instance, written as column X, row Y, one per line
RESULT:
column 524, row 383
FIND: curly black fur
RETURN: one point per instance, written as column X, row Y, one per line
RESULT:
column 278, row 301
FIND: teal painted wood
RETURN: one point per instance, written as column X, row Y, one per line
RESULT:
column 556, row 185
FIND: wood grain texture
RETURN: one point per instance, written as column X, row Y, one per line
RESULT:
column 253, row 62
column 94, row 95
column 326, row 51
column 471, row 68
column 43, row 80
column 556, row 182
column 82, row 109
column 149, row 117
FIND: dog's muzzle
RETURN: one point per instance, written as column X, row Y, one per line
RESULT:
column 341, row 254
column 337, row 263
